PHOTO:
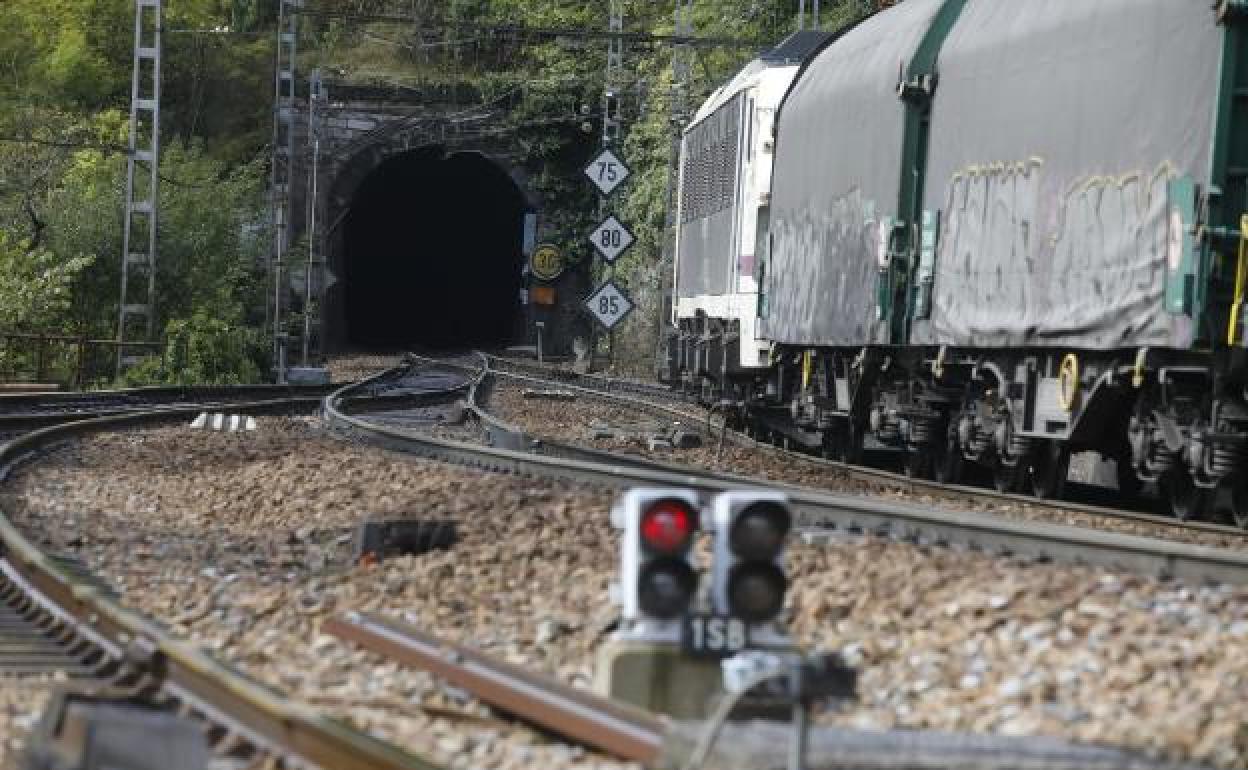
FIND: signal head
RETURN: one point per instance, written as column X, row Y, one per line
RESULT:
column 747, row 576
column 668, row 526
column 658, row 582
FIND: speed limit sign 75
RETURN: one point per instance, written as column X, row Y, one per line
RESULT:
column 607, row 172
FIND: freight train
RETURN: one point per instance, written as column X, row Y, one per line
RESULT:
column 983, row 234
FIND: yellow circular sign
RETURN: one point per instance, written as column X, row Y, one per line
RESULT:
column 546, row 262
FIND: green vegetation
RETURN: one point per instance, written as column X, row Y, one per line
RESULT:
column 65, row 69
column 64, row 96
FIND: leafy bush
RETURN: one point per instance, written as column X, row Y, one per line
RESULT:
column 202, row 350
column 35, row 285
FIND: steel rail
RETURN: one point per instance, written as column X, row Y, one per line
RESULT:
column 588, row 720
column 41, row 411
column 602, row 382
column 900, row 481
column 830, row 511
column 205, row 685
column 158, row 394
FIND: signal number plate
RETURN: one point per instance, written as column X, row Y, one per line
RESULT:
column 713, row 636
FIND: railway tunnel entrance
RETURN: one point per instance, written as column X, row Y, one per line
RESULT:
column 431, row 254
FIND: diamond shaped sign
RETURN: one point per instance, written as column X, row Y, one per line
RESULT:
column 607, row 172
column 612, row 239
column 609, row 304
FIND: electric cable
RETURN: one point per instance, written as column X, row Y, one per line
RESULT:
column 716, row 723
column 548, row 33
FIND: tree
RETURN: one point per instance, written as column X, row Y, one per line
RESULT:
column 35, row 285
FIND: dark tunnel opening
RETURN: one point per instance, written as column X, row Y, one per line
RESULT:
column 431, row 254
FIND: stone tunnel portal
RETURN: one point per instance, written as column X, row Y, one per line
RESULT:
column 431, row 254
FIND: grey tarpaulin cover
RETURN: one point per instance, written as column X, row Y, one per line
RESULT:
column 1055, row 130
column 838, row 142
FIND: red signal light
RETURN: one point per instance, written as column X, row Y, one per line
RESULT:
column 667, row 527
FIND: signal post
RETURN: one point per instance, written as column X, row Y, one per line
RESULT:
column 676, row 629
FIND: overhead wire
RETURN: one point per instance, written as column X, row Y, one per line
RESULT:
column 538, row 32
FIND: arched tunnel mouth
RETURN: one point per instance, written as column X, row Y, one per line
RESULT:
column 431, row 254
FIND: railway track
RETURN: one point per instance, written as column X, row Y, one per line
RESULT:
column 823, row 514
column 659, row 403
column 527, row 509
column 20, row 413
column 58, row 620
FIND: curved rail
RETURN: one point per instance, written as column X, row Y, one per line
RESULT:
column 862, row 473
column 591, row 381
column 821, row 509
column 24, row 412
column 240, row 706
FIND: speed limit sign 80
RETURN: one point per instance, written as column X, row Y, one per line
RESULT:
column 611, row 239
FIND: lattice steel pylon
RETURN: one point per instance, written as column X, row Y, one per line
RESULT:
column 678, row 101
column 614, row 82
column 678, row 116
column 137, row 304
column 282, row 169
column 314, row 268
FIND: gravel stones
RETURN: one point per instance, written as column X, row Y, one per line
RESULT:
column 21, row 702
column 609, row 425
column 962, row 641
column 243, row 543
column 357, row 366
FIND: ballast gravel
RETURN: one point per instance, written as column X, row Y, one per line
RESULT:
column 356, row 366
column 21, row 702
column 243, row 543
column 579, row 422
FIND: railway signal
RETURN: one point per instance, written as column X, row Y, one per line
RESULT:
column 748, row 581
column 657, row 578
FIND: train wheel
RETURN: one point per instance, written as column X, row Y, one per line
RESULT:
column 947, row 461
column 1006, row 478
column 1239, row 503
column 1050, row 464
column 846, row 443
column 1188, row 501
column 918, row 462
column 1129, row 484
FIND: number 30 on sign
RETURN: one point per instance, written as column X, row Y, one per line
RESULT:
column 609, row 304
column 546, row 263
